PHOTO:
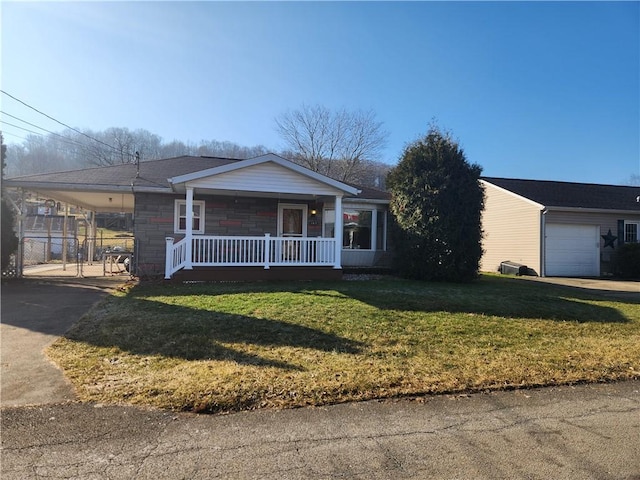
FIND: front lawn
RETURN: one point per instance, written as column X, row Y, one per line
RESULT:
column 226, row 347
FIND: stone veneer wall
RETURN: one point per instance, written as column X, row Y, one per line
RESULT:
column 224, row 215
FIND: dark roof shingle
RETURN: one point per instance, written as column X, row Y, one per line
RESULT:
column 572, row 195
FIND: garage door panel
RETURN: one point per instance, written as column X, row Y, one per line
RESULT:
column 572, row 250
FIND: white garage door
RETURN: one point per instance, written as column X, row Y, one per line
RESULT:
column 572, row 250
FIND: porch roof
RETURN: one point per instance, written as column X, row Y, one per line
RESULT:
column 264, row 175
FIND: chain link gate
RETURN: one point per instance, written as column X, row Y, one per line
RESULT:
column 50, row 256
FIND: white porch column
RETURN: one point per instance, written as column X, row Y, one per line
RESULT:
column 337, row 233
column 189, row 230
column 168, row 260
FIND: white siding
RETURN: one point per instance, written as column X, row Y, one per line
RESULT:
column 511, row 226
column 265, row 177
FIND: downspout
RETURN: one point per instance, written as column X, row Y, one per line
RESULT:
column 543, row 241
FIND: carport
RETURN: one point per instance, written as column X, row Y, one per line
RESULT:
column 86, row 193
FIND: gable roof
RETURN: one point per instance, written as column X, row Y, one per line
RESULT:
column 571, row 195
column 260, row 160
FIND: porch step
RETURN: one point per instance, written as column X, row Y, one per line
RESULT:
column 256, row 274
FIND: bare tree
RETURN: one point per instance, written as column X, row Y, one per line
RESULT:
column 337, row 144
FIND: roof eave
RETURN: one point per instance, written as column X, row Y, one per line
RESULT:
column 592, row 210
column 83, row 187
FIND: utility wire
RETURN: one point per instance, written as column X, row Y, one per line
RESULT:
column 67, row 139
column 64, row 139
column 21, row 128
column 61, row 123
column 4, row 132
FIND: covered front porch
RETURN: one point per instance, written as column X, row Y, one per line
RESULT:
column 260, row 218
column 263, row 252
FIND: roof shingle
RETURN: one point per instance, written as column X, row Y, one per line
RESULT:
column 572, row 195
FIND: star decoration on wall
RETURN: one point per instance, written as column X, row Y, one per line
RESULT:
column 609, row 238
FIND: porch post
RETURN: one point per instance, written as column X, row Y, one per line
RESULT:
column 267, row 250
column 189, row 230
column 337, row 233
column 168, row 260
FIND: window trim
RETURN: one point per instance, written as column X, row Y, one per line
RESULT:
column 176, row 216
column 631, row 222
column 374, row 224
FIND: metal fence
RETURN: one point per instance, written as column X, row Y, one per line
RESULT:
column 56, row 255
column 41, row 254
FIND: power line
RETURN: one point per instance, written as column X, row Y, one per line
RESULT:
column 4, row 132
column 61, row 123
column 67, row 139
column 21, row 128
column 63, row 139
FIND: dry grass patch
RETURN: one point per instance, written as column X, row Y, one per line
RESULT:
column 225, row 347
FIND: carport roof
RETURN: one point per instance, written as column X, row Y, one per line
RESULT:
column 153, row 175
column 572, row 195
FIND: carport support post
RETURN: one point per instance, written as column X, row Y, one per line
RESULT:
column 189, row 230
column 92, row 237
column 64, row 239
column 22, row 213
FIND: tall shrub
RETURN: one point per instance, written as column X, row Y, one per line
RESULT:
column 437, row 202
column 627, row 261
column 8, row 236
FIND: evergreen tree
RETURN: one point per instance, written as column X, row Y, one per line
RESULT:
column 9, row 240
column 437, row 202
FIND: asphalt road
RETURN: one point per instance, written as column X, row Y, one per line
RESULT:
column 583, row 432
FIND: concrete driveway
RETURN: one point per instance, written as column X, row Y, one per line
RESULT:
column 595, row 284
column 34, row 313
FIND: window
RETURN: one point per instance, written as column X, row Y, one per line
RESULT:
column 357, row 229
column 361, row 229
column 180, row 216
column 631, row 230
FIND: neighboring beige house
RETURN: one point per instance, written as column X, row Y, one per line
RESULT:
column 559, row 229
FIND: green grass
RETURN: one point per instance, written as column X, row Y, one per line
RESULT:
column 226, row 347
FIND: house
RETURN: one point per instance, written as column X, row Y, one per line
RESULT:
column 557, row 228
column 229, row 219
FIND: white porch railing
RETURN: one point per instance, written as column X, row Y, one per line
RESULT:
column 265, row 251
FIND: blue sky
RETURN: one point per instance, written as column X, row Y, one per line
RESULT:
column 531, row 90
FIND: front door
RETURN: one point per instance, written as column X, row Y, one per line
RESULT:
column 292, row 222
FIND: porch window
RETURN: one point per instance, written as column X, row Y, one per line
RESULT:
column 180, row 217
column 360, row 228
column 631, row 230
